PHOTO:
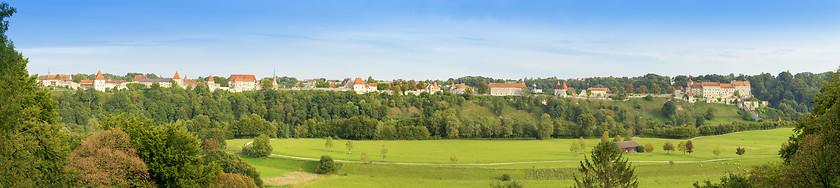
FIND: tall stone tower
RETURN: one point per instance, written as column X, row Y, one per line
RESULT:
column 99, row 81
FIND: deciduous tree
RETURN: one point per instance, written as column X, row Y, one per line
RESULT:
column 364, row 157
column 689, row 147
column 349, row 145
column 546, row 127
column 329, row 144
column 668, row 147
column 233, row 164
column 482, row 87
column 107, row 159
column 325, row 165
column 453, row 159
column 260, row 147
column 32, row 150
column 383, row 151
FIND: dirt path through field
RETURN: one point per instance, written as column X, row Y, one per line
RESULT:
column 506, row 163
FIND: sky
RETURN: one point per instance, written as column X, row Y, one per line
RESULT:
column 429, row 39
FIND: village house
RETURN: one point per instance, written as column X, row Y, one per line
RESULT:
column 459, row 89
column 628, row 146
column 361, row 87
column 162, row 82
column 598, row 92
column 58, row 81
column 99, row 83
column 506, row 89
column 242, row 82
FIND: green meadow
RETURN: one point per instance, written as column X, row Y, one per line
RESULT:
column 534, row 163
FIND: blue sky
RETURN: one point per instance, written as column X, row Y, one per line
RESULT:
column 427, row 39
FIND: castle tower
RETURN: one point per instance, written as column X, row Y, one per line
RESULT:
column 99, row 82
column 211, row 84
column 560, row 90
column 177, row 79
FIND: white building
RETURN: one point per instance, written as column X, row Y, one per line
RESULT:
column 162, row 82
column 361, row 87
column 242, row 82
column 459, row 89
column 506, row 89
column 718, row 90
column 58, row 81
column 560, row 89
column 99, row 83
column 598, row 92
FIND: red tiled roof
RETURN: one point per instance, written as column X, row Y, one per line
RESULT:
column 176, row 77
column 507, row 85
column 99, row 76
column 598, row 89
column 242, row 78
column 210, row 79
column 138, row 77
column 373, row 84
column 436, row 86
column 711, row 83
column 463, row 86
column 561, row 86
column 86, row 82
column 358, row 81
column 114, row 81
column 726, row 86
column 741, row 83
column 696, row 85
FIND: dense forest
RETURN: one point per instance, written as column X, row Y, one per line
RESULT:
column 316, row 114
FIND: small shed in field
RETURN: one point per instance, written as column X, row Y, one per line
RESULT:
column 628, row 146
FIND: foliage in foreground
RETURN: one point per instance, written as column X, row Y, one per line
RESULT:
column 233, row 164
column 32, row 150
column 170, row 152
column 731, row 181
column 606, row 168
column 107, row 159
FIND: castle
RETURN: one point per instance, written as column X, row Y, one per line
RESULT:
column 734, row 89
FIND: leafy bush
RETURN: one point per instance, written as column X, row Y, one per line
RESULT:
column 640, row 149
column 233, row 180
column 232, row 164
column 505, row 177
column 258, row 148
column 326, row 165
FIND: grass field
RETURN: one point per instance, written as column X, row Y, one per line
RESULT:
column 758, row 144
column 653, row 171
